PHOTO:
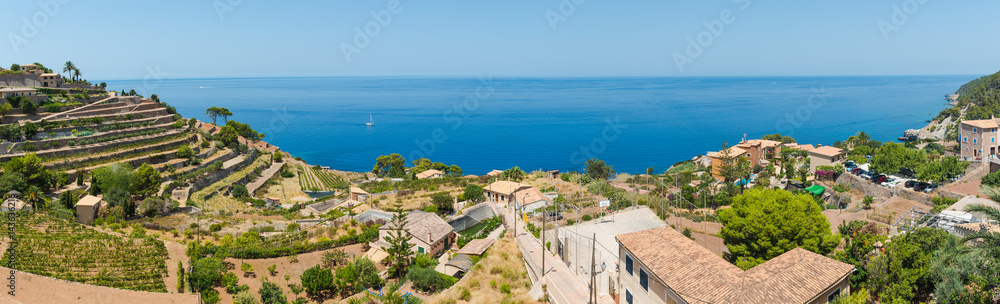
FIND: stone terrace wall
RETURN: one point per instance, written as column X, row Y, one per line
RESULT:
column 222, row 173
column 19, row 80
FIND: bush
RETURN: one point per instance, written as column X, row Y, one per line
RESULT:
column 210, row 296
column 215, row 227
column 185, row 152
column 278, row 156
column 586, row 217
column 317, row 280
column 428, row 280
column 240, row 191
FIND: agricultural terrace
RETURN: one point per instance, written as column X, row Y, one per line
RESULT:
column 317, row 179
column 498, row 277
column 57, row 248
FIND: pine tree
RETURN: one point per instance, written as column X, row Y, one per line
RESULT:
column 400, row 249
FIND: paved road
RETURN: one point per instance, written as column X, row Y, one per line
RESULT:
column 562, row 286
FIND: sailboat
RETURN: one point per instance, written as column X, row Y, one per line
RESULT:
column 371, row 121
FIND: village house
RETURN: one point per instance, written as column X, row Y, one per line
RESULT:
column 87, row 208
column 825, row 156
column 760, row 151
column 430, row 173
column 50, row 80
column 663, row 266
column 31, row 68
column 358, row 195
column 977, row 139
column 430, row 233
column 11, row 92
column 501, row 192
column 525, row 197
column 726, row 157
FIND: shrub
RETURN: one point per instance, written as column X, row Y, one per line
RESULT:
column 185, row 152
column 215, row 227
column 240, row 191
column 317, row 280
column 586, row 217
column 210, row 296
column 428, row 280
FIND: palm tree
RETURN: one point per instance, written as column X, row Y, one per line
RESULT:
column 76, row 75
column 862, row 137
column 991, row 240
column 69, row 68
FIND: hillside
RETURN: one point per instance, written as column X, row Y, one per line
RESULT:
column 980, row 98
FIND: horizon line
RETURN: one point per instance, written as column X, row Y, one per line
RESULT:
column 545, row 77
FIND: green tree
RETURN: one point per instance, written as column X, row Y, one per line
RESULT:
column 473, row 193
column 240, row 191
column 69, row 68
column 890, row 157
column 764, row 223
column 902, row 272
column 454, row 170
column 30, row 166
column 12, row 181
column 206, row 273
column 445, row 202
column 270, row 293
column 11, row 131
column 145, row 181
column 5, row 109
column 333, row 258
column 598, row 170
column 317, row 280
column 68, row 200
column 245, row 297
column 228, row 135
column 244, row 130
column 934, row 148
column 278, row 156
column 213, row 113
column 392, row 165
column 30, row 129
column 185, row 152
column 400, row 249
column 28, row 107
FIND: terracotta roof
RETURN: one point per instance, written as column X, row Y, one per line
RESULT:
column 476, row 247
column 805, row 147
column 981, row 123
column 494, row 173
column 827, row 151
column 529, row 195
column 505, row 187
column 428, row 173
column 423, row 224
column 733, row 152
column 699, row 276
column 49, row 74
column 759, row 142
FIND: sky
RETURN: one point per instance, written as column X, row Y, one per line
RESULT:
column 114, row 39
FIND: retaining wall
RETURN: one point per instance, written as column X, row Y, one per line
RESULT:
column 19, row 80
column 879, row 192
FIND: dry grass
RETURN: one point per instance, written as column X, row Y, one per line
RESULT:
column 501, row 266
column 288, row 190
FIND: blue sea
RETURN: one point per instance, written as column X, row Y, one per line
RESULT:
column 486, row 123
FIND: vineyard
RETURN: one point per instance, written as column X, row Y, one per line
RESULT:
column 57, row 248
column 331, row 180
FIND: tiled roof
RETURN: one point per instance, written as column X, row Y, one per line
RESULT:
column 699, row 276
column 89, row 200
column 357, row 190
column 494, row 173
column 733, row 152
column 529, row 195
column 428, row 173
column 981, row 123
column 505, row 187
column 827, row 151
column 423, row 224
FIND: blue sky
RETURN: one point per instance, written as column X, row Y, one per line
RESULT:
column 189, row 39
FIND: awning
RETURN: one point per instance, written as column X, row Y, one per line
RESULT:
column 816, row 189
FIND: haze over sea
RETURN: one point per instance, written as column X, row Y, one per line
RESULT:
column 552, row 123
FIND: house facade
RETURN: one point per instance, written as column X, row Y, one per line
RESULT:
column 50, row 80
column 760, row 151
column 31, row 68
column 502, row 192
column 430, row 173
column 11, row 92
column 429, row 233
column 662, row 266
column 87, row 208
column 726, row 157
column 825, row 156
column 977, row 139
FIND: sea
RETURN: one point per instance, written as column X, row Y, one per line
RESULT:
column 484, row 123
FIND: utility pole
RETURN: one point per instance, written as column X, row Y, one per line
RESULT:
column 545, row 217
column 593, row 261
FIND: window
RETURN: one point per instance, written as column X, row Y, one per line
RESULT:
column 833, row 296
column 628, row 264
column 965, row 139
column 643, row 280
column 993, row 139
column 628, row 297
column 420, row 249
column 973, row 130
column 973, row 140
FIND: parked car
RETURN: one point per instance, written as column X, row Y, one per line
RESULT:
column 930, row 188
column 849, row 164
column 555, row 215
column 909, row 183
column 857, row 171
column 920, row 186
column 907, row 172
column 879, row 179
column 866, row 174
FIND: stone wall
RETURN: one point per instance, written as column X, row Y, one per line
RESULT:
column 222, row 173
column 19, row 80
